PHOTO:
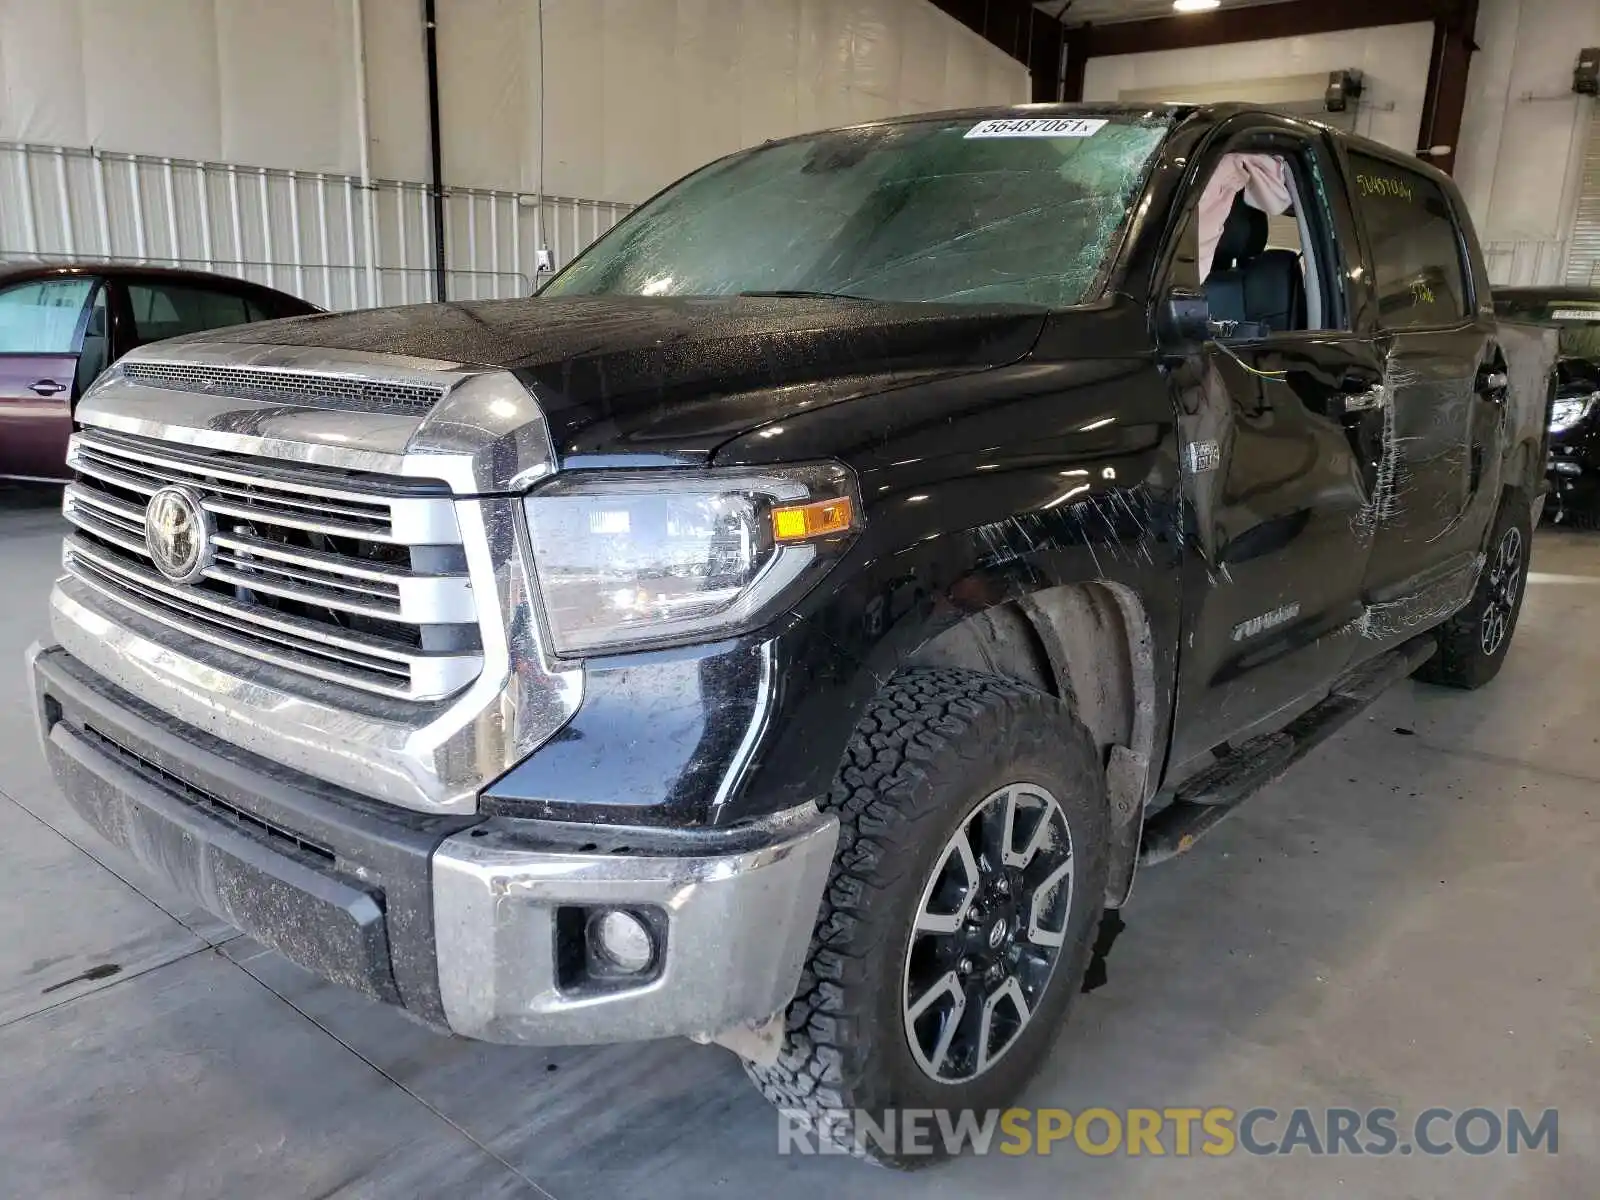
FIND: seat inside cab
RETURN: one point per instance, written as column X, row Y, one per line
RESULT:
column 1258, row 277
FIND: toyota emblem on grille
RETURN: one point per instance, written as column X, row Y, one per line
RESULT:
column 177, row 532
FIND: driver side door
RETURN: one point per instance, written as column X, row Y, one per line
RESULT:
column 1274, row 488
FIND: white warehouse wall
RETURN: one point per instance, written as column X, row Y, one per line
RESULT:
column 636, row 92
column 264, row 84
column 223, row 132
column 1393, row 59
column 1523, row 132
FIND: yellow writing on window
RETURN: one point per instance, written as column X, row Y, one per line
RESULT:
column 1384, row 185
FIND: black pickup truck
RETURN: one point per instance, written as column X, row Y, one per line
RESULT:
column 794, row 627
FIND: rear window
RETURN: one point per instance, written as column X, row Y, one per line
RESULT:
column 272, row 308
column 1416, row 248
column 164, row 310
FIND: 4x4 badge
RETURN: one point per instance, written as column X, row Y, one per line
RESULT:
column 1268, row 620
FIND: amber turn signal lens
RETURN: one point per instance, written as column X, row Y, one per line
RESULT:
column 798, row 522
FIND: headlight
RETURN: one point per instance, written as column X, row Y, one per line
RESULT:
column 1567, row 412
column 629, row 559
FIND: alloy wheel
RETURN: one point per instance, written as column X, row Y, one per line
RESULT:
column 1505, row 577
column 988, row 932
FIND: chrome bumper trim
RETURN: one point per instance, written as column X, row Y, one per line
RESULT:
column 738, row 926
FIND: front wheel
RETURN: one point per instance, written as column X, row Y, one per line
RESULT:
column 1473, row 643
column 960, row 914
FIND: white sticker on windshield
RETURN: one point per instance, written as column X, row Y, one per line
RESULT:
column 1563, row 314
column 1038, row 127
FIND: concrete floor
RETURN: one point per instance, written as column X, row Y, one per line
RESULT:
column 1407, row 920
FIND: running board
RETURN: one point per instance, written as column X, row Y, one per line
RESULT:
column 1203, row 802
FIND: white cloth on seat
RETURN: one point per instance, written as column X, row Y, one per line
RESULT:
column 1264, row 180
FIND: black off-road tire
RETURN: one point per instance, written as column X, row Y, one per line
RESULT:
column 931, row 746
column 1465, row 658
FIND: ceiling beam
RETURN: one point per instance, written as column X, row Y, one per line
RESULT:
column 1258, row 22
column 1074, row 58
column 1445, row 100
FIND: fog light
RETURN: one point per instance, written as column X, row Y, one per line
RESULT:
column 623, row 940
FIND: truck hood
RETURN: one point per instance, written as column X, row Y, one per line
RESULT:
column 626, row 375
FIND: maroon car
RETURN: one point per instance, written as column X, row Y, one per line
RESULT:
column 61, row 326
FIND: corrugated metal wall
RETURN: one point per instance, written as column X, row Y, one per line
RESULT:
column 302, row 232
column 1521, row 145
column 1583, row 265
column 1528, row 262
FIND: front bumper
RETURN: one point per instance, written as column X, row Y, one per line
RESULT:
column 477, row 926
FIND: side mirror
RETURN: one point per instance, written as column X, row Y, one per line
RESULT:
column 1184, row 320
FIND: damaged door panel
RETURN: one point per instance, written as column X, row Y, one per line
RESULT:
column 1438, row 478
column 1278, row 567
column 1444, row 390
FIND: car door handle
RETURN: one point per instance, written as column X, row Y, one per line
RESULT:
column 1362, row 401
column 1360, row 390
column 1359, row 379
column 1365, row 400
column 46, row 387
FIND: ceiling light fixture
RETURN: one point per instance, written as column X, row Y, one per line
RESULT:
column 1196, row 5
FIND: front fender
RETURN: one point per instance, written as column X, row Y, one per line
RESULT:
column 977, row 493
column 1112, row 516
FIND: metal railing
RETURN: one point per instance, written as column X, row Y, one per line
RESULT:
column 1525, row 262
column 297, row 231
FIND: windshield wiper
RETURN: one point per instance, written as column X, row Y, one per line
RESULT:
column 802, row 294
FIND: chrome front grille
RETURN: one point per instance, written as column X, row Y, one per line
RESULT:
column 340, row 576
column 317, row 500
column 350, row 393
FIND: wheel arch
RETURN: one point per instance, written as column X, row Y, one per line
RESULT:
column 1525, row 468
column 1090, row 644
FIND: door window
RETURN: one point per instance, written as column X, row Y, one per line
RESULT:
column 1256, row 241
column 42, row 317
column 276, row 307
column 1416, row 249
column 165, row 310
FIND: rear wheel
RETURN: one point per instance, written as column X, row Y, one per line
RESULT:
column 1473, row 643
column 960, row 914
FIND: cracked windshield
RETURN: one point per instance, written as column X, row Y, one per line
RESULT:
column 953, row 211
